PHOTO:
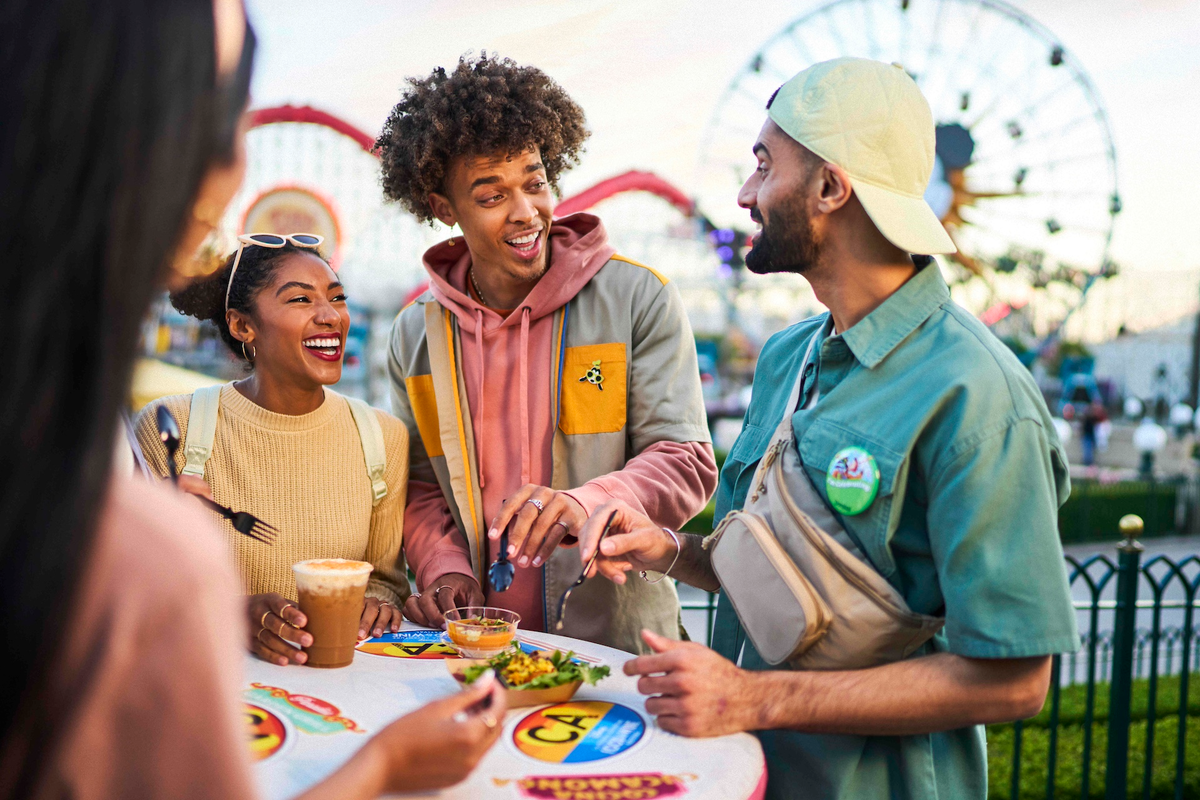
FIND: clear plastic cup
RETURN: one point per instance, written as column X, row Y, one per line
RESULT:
column 481, row 631
column 331, row 593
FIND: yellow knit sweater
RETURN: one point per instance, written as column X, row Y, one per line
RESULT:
column 307, row 476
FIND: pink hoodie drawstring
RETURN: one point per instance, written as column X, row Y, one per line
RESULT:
column 482, row 396
column 525, row 465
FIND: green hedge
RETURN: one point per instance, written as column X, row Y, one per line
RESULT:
column 1092, row 511
column 1035, row 745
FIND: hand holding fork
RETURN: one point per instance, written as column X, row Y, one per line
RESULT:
column 243, row 522
column 636, row 544
column 583, row 576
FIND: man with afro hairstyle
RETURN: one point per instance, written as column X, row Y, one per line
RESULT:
column 541, row 374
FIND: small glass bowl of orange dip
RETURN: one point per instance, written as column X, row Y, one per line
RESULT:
column 481, row 631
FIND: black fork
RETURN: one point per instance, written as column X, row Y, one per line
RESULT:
column 562, row 603
column 244, row 522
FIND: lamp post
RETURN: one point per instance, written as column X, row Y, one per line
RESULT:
column 1180, row 418
column 1121, row 688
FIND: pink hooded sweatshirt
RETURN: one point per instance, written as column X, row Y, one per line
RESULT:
column 506, row 363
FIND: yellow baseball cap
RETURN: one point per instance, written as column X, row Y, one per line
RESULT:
column 871, row 120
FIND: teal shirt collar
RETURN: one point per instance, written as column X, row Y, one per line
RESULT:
column 877, row 334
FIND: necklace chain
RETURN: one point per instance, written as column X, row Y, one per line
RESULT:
column 478, row 291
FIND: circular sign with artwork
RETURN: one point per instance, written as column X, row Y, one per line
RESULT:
column 294, row 209
column 573, row 733
column 267, row 732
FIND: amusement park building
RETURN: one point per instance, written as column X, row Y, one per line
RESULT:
column 1151, row 363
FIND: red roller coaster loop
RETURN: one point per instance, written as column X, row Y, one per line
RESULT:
column 632, row 181
column 268, row 116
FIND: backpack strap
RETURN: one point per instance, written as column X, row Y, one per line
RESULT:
column 371, row 435
column 202, row 427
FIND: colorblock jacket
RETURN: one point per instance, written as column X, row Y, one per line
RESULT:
column 609, row 406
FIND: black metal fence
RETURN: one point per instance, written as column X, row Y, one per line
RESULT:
column 1122, row 719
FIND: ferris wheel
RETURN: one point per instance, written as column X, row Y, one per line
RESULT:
column 1025, row 180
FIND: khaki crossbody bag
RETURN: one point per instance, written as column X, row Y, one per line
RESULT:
column 803, row 590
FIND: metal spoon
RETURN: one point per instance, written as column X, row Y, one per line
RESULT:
column 500, row 574
column 168, row 431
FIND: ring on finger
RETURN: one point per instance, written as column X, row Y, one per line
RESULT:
column 258, row 635
column 439, row 589
column 262, row 621
column 536, row 504
column 488, row 721
column 565, row 526
column 282, row 625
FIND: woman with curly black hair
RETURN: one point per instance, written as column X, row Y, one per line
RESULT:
column 286, row 448
column 577, row 366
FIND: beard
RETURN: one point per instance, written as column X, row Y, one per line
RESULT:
column 787, row 243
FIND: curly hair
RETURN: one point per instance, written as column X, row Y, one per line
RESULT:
column 204, row 298
column 486, row 105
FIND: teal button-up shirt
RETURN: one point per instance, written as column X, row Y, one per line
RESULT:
column 964, row 524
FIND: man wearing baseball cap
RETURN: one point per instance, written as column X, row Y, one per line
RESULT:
column 958, row 510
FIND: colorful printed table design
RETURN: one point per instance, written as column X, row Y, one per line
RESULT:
column 572, row 733
column 268, row 732
column 303, row 723
column 425, row 644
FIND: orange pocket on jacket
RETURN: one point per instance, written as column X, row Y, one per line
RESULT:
column 424, row 408
column 593, row 389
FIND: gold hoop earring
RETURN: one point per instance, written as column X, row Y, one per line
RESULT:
column 248, row 357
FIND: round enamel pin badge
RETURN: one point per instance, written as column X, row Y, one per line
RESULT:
column 852, row 481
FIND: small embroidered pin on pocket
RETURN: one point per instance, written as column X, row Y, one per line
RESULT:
column 594, row 377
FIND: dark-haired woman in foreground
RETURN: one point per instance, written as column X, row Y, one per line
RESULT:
column 283, row 447
column 119, row 149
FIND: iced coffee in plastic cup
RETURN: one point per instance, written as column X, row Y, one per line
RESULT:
column 331, row 592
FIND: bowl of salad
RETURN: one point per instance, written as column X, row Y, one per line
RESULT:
column 481, row 631
column 531, row 679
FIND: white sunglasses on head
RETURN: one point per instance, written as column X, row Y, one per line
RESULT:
column 309, row 241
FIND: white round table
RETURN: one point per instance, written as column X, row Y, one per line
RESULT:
column 304, row 723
